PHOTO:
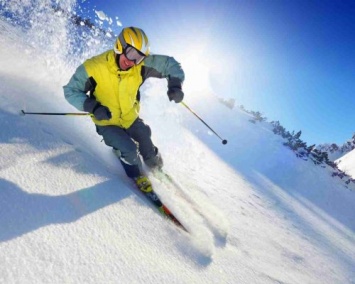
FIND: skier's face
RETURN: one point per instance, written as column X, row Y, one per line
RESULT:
column 124, row 63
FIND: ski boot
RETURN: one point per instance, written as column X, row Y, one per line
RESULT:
column 143, row 184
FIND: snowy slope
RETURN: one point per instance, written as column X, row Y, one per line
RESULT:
column 347, row 163
column 68, row 213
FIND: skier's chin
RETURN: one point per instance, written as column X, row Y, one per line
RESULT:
column 125, row 68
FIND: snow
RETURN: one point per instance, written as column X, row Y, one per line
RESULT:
column 103, row 17
column 347, row 163
column 255, row 212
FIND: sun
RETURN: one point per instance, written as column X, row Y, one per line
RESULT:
column 196, row 68
column 209, row 70
column 196, row 65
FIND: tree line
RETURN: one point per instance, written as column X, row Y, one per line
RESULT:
column 294, row 142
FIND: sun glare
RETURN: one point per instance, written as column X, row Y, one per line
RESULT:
column 207, row 71
column 197, row 71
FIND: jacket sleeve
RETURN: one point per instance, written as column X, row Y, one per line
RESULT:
column 161, row 66
column 75, row 91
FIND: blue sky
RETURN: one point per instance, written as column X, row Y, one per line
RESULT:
column 291, row 60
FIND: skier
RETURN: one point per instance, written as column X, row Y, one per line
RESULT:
column 113, row 79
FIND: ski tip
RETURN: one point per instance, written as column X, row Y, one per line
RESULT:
column 22, row 112
column 183, row 228
column 166, row 212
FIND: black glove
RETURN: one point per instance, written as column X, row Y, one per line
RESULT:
column 98, row 110
column 175, row 94
column 174, row 90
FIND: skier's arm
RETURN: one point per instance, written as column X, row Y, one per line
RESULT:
column 161, row 66
column 75, row 91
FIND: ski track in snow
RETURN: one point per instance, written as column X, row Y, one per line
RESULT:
column 202, row 227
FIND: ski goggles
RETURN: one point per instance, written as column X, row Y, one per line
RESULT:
column 133, row 54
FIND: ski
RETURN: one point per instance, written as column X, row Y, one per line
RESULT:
column 166, row 178
column 210, row 221
column 164, row 210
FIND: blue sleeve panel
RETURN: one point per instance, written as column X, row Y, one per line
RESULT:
column 74, row 91
column 161, row 66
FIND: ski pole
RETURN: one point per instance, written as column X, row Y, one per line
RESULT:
column 57, row 113
column 224, row 141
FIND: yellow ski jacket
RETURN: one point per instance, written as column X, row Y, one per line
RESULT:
column 116, row 89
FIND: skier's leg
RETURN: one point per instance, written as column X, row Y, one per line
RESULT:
column 141, row 133
column 124, row 146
